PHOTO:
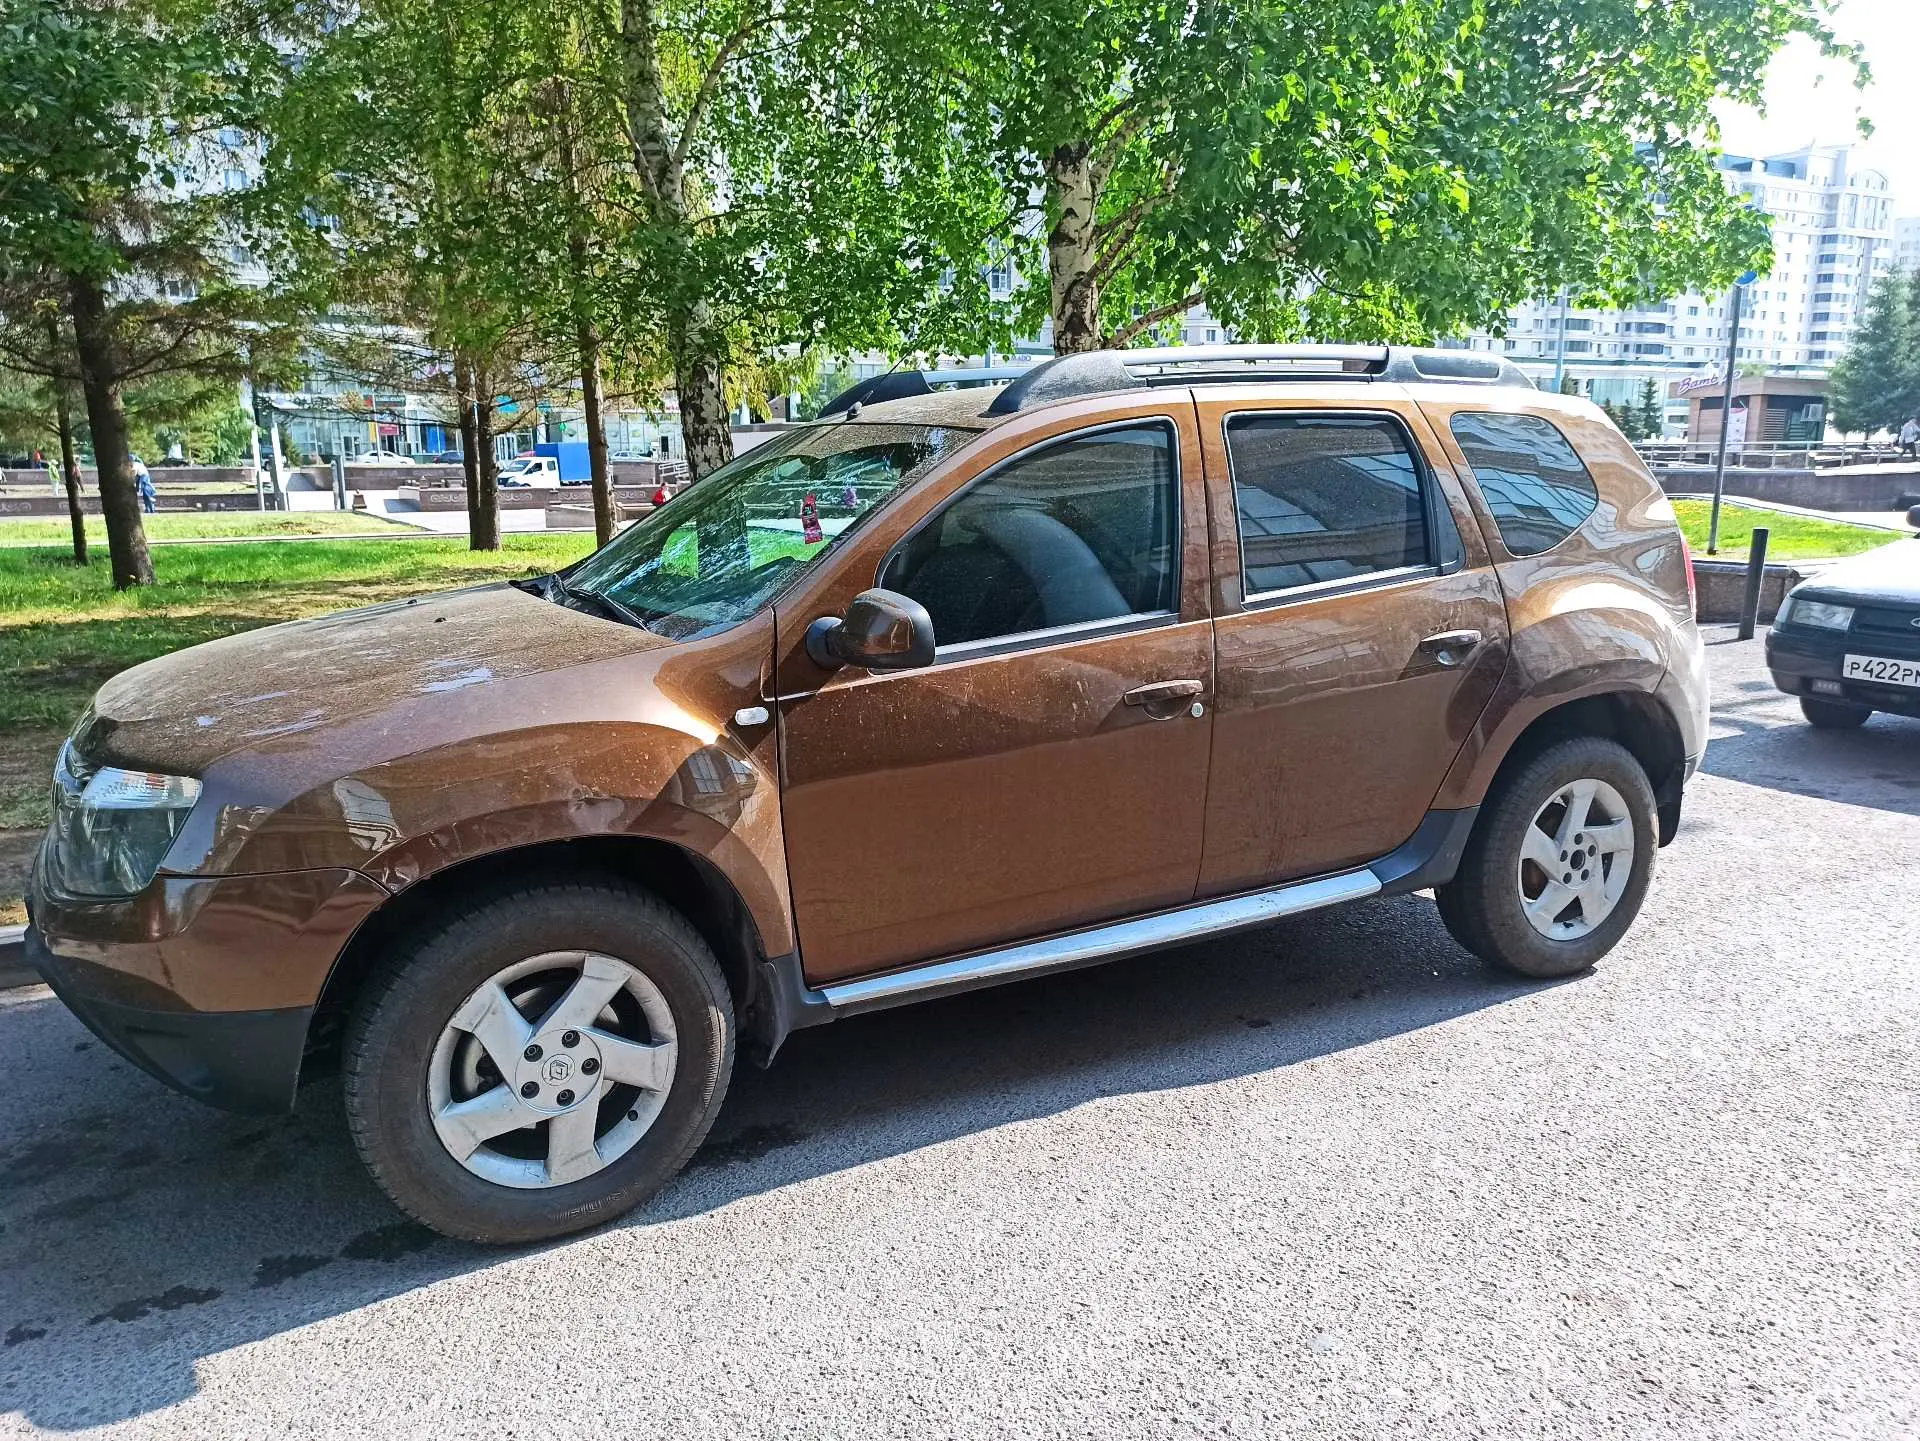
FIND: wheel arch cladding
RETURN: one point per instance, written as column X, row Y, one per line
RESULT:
column 689, row 883
column 1636, row 719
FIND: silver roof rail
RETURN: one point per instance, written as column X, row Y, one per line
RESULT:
column 1095, row 372
column 898, row 384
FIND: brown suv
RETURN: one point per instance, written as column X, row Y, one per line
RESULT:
column 939, row 691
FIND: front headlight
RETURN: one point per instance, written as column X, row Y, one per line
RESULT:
column 111, row 827
column 1820, row 614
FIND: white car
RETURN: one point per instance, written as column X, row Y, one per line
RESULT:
column 532, row 470
column 380, row 457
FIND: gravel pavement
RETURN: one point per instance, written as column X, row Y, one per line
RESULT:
column 1332, row 1179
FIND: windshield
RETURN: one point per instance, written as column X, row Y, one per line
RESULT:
column 718, row 552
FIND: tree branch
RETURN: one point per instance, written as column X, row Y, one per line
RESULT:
column 1152, row 318
column 710, row 81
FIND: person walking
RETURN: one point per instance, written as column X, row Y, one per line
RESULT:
column 143, row 482
column 1910, row 437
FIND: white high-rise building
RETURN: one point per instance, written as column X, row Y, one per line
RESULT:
column 1833, row 234
column 1906, row 243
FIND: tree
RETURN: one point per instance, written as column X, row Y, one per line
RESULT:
column 34, row 410
column 110, row 118
column 1386, row 171
column 1651, row 415
column 1875, row 385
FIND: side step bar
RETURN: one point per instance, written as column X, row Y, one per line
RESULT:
column 1103, row 943
column 787, row 1003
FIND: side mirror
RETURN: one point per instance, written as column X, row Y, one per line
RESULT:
column 1913, row 517
column 882, row 630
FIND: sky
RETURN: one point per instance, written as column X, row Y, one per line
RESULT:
column 1813, row 99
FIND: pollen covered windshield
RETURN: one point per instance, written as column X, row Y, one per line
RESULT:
column 720, row 550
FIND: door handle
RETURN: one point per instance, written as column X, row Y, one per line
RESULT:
column 1164, row 699
column 1450, row 646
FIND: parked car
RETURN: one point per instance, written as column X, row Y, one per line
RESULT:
column 1847, row 641
column 171, row 460
column 380, row 457
column 447, row 457
column 936, row 693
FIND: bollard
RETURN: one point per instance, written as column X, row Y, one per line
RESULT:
column 1756, row 573
column 339, row 483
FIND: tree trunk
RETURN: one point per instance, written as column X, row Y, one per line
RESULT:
column 469, row 439
column 107, row 419
column 699, row 380
column 69, row 461
column 603, row 516
column 1073, row 191
column 485, row 531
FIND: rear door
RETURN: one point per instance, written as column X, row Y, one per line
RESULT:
column 1359, row 628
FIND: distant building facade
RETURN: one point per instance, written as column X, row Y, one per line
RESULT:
column 1833, row 235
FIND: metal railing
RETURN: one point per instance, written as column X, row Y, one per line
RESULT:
column 1772, row 455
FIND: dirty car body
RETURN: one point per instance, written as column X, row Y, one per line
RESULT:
column 1149, row 654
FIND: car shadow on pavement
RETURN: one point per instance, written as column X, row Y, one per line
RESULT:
column 1877, row 765
column 141, row 1235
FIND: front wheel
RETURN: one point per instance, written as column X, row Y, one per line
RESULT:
column 1833, row 715
column 1559, row 861
column 539, row 1064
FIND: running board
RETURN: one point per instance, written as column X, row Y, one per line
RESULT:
column 1102, row 943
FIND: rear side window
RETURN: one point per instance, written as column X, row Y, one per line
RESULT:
column 1324, row 498
column 1078, row 531
column 1533, row 482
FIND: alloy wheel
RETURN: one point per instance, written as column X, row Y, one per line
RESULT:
column 552, row 1069
column 1575, row 859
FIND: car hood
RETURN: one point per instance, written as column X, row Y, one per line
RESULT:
column 1889, row 575
column 266, row 689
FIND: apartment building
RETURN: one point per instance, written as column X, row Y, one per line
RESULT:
column 1906, row 243
column 1833, row 235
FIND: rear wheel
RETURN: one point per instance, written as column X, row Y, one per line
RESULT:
column 1833, row 715
column 540, row 1064
column 1559, row 861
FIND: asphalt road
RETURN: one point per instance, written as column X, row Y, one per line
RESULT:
column 1329, row 1180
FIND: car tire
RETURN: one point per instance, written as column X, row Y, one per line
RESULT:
column 408, row 1067
column 1834, row 715
column 1498, row 905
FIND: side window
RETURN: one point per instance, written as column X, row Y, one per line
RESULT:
column 1533, row 481
column 1324, row 497
column 1083, row 529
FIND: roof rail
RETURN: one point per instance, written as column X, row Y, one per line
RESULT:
column 1097, row 371
column 898, row 384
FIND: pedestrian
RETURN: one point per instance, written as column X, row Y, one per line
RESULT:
column 1910, row 437
column 143, row 482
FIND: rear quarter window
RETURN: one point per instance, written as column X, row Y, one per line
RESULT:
column 1534, row 483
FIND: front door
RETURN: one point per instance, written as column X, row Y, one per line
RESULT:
column 1049, row 769
column 1360, row 632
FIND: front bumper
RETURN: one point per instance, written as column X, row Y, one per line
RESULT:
column 1797, row 659
column 246, row 1061
column 209, row 983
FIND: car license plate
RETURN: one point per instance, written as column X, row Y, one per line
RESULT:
column 1882, row 671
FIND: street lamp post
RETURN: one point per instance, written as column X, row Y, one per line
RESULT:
column 1726, row 411
column 1560, row 349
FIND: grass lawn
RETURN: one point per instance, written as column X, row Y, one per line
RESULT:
column 1794, row 537
column 64, row 629
column 202, row 525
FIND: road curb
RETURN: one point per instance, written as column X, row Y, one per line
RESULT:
column 14, row 970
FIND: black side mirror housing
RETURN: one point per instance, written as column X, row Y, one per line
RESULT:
column 882, row 630
column 1913, row 517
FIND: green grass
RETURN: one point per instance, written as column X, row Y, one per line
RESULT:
column 1794, row 537
column 64, row 629
column 202, row 525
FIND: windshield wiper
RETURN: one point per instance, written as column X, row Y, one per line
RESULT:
column 607, row 605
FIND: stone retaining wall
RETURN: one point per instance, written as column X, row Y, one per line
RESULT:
column 1721, row 586
column 1811, row 489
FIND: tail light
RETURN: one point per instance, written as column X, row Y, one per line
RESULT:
column 1693, row 592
